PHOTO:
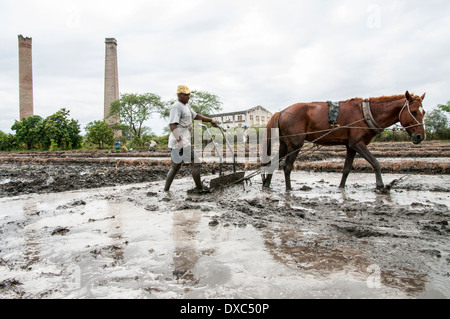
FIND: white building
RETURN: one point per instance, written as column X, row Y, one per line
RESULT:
column 257, row 116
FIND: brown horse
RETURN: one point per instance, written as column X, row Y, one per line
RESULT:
column 357, row 124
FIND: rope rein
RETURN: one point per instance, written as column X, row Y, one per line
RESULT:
column 327, row 132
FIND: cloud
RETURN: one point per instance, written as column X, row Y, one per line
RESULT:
column 248, row 53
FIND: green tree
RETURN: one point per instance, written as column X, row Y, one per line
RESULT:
column 444, row 107
column 205, row 103
column 437, row 123
column 63, row 131
column 99, row 132
column 28, row 131
column 8, row 142
column 135, row 109
column 201, row 102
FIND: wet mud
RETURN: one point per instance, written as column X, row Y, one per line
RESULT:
column 44, row 172
column 133, row 240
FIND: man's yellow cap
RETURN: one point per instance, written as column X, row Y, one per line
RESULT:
column 183, row 89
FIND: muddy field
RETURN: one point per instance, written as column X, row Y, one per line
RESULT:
column 99, row 225
column 39, row 172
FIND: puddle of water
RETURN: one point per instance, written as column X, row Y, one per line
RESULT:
column 5, row 181
column 361, row 186
column 105, row 243
column 394, row 159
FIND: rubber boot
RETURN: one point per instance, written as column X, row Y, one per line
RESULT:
column 171, row 175
column 196, row 175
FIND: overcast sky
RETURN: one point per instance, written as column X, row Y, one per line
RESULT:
column 269, row 53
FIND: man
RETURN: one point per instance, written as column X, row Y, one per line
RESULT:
column 244, row 136
column 152, row 146
column 180, row 122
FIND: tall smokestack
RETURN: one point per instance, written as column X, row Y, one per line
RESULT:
column 111, row 80
column 25, row 77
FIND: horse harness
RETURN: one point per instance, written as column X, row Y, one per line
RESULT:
column 369, row 117
column 373, row 125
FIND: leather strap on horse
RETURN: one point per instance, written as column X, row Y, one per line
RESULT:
column 369, row 117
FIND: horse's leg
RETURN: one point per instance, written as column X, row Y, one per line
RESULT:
column 288, row 165
column 347, row 166
column 273, row 165
column 267, row 174
column 365, row 153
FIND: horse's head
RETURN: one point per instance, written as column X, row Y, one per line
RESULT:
column 412, row 117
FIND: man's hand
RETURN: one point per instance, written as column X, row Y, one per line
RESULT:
column 206, row 119
column 180, row 142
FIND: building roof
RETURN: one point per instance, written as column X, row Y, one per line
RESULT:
column 241, row 112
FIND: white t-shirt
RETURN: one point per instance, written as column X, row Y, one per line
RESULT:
column 182, row 115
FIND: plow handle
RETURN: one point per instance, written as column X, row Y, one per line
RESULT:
column 229, row 147
column 220, row 154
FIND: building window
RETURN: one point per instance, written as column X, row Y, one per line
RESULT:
column 239, row 118
column 251, row 117
column 257, row 119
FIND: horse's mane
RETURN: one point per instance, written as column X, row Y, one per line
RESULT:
column 382, row 99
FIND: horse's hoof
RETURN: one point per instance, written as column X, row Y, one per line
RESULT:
column 383, row 190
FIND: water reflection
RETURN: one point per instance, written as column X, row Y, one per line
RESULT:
column 186, row 255
column 298, row 250
column 115, row 231
column 32, row 251
column 301, row 245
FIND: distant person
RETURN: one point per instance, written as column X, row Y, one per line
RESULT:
column 245, row 136
column 152, row 146
column 117, row 146
column 180, row 123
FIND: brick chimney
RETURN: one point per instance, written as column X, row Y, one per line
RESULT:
column 25, row 77
column 111, row 80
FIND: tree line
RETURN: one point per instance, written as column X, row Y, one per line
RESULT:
column 60, row 132
column 57, row 131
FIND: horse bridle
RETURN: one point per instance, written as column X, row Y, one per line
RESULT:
column 407, row 106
